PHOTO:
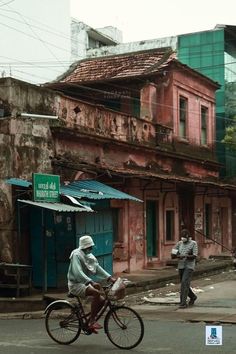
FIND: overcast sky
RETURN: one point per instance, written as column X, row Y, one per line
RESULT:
column 139, row 20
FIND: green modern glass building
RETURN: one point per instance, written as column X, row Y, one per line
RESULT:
column 213, row 53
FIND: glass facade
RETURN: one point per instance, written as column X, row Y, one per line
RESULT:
column 213, row 53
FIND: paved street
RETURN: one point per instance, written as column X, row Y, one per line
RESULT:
column 167, row 328
column 216, row 300
column 165, row 337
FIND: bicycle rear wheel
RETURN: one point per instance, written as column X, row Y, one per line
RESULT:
column 124, row 327
column 62, row 323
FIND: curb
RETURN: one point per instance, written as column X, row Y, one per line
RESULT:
column 22, row 315
column 136, row 286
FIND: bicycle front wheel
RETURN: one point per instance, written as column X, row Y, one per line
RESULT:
column 62, row 323
column 124, row 327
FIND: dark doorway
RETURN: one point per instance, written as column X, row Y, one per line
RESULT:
column 151, row 228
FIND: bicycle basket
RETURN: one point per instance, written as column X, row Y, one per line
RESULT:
column 117, row 291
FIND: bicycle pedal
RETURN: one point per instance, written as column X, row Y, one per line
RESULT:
column 91, row 331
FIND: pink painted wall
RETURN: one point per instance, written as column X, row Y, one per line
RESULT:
column 197, row 92
column 95, row 133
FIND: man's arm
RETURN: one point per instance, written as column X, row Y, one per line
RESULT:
column 191, row 256
column 175, row 251
column 101, row 273
column 77, row 271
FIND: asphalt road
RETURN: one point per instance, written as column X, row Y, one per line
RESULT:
column 167, row 329
column 211, row 290
column 165, row 337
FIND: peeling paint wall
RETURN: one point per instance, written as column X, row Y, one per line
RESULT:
column 220, row 224
column 91, row 135
column 26, row 146
column 105, row 123
column 198, row 93
column 77, row 145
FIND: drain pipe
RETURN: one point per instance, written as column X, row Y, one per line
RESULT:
column 129, row 241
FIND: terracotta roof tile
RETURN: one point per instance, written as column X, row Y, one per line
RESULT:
column 118, row 66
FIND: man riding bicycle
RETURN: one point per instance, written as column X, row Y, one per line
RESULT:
column 83, row 265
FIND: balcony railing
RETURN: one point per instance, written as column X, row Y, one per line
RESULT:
column 98, row 121
column 109, row 124
column 164, row 134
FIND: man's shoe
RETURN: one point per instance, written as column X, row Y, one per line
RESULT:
column 94, row 327
column 184, row 306
column 191, row 301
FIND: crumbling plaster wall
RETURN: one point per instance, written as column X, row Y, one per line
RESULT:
column 26, row 146
column 81, row 117
column 18, row 96
column 104, row 122
column 221, row 224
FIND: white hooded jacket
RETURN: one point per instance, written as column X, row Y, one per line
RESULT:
column 83, row 266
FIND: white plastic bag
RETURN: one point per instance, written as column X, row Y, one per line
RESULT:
column 118, row 289
column 117, row 284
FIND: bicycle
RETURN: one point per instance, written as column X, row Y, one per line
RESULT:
column 65, row 320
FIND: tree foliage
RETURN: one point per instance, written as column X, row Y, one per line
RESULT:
column 230, row 136
column 230, row 111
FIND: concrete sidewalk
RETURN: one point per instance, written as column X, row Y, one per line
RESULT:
column 156, row 278
column 139, row 281
column 197, row 313
column 216, row 303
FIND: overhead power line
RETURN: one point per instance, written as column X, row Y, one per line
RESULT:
column 62, row 63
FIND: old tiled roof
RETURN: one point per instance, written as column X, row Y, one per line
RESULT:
column 118, row 66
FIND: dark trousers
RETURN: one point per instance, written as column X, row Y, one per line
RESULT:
column 185, row 290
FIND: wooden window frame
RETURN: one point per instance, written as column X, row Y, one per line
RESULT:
column 204, row 125
column 208, row 221
column 172, row 227
column 183, row 117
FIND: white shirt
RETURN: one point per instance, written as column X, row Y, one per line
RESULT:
column 187, row 248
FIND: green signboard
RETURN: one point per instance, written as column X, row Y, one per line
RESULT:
column 46, row 187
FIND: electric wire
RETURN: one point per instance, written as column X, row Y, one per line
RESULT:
column 134, row 99
column 46, row 43
column 23, row 17
column 92, row 89
column 156, row 133
column 59, row 34
column 52, row 31
column 39, row 38
column 6, row 3
column 107, row 92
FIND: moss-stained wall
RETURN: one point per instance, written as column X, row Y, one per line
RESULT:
column 26, row 146
column 18, row 96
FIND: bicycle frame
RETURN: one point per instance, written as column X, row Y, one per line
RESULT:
column 66, row 319
column 78, row 308
column 84, row 317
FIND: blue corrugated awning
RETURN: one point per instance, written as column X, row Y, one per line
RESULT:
column 19, row 182
column 88, row 189
column 91, row 189
column 60, row 207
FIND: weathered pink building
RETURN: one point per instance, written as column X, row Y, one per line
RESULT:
column 142, row 123
column 149, row 130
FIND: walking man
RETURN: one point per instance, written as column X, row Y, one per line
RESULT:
column 186, row 250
